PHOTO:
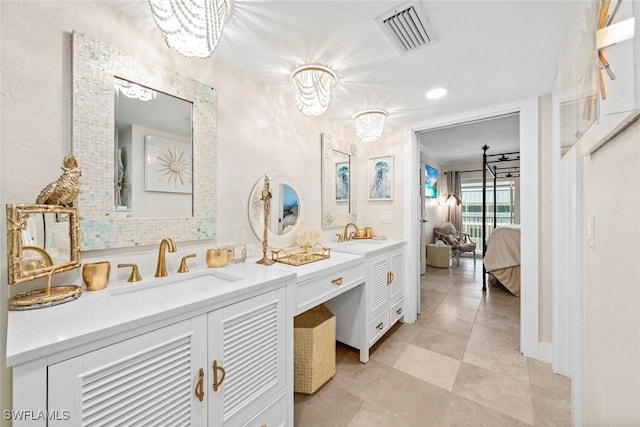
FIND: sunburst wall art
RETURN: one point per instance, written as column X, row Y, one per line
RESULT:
column 167, row 165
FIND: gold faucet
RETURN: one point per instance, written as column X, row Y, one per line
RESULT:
column 161, row 268
column 345, row 236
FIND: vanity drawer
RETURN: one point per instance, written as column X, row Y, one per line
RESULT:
column 272, row 416
column 318, row 290
column 377, row 328
column 396, row 311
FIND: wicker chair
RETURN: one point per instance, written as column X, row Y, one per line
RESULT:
column 460, row 242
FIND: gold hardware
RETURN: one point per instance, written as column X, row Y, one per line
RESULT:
column 161, row 268
column 388, row 278
column 368, row 232
column 380, row 326
column 46, row 297
column 134, row 276
column 391, row 277
column 361, row 233
column 216, row 368
column 199, row 390
column 183, row 263
column 346, row 236
column 96, row 275
column 337, row 281
column 339, row 237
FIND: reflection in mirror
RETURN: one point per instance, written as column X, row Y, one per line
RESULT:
column 286, row 210
column 152, row 152
column 338, row 202
column 41, row 237
column 95, row 65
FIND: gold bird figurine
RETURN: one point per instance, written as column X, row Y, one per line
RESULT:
column 64, row 190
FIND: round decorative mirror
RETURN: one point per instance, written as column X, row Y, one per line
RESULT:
column 286, row 209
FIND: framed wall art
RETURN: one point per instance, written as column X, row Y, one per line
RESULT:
column 342, row 182
column 167, row 165
column 380, row 172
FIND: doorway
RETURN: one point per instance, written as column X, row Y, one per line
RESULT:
column 527, row 111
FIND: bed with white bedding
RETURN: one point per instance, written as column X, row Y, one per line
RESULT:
column 502, row 258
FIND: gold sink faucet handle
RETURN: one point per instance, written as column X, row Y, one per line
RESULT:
column 183, row 263
column 134, row 276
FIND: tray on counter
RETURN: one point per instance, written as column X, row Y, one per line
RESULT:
column 301, row 256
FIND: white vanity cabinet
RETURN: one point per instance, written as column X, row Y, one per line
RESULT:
column 224, row 361
column 222, row 368
column 384, row 293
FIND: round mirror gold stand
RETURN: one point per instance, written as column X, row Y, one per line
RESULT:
column 46, row 297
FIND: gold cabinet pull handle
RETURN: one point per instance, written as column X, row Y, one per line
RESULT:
column 199, row 390
column 337, row 281
column 391, row 277
column 216, row 368
column 388, row 277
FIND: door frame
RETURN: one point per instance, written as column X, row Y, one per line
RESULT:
column 529, row 184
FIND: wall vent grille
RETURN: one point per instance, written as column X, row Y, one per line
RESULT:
column 407, row 27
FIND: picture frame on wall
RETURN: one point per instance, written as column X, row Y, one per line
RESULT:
column 167, row 166
column 342, row 182
column 380, row 172
column 430, row 181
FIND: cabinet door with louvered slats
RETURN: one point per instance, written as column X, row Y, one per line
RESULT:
column 247, row 344
column 145, row 380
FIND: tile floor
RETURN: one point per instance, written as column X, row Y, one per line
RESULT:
column 458, row 365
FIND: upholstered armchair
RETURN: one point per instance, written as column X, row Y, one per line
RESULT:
column 460, row 242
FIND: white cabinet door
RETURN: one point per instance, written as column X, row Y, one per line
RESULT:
column 247, row 344
column 396, row 285
column 378, row 292
column 150, row 379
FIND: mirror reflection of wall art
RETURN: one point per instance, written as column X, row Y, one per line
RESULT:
column 167, row 165
column 342, row 182
column 380, row 173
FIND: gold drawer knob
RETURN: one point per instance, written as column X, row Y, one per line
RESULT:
column 337, row 281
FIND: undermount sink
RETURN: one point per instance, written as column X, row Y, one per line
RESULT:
column 205, row 277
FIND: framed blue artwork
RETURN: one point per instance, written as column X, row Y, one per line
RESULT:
column 380, row 173
column 430, row 181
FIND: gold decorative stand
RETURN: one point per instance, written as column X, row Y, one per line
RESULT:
column 46, row 297
column 266, row 202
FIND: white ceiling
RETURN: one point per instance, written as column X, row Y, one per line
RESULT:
column 486, row 53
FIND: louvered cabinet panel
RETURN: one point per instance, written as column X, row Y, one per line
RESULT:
column 145, row 380
column 249, row 344
column 396, row 287
column 378, row 288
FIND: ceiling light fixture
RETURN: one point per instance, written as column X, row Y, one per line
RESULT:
column 313, row 85
column 436, row 93
column 370, row 124
column 192, row 27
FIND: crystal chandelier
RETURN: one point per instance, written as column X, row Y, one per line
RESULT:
column 192, row 27
column 313, row 86
column 369, row 124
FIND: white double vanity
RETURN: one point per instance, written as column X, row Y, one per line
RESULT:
column 209, row 347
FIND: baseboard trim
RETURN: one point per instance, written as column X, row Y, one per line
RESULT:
column 545, row 352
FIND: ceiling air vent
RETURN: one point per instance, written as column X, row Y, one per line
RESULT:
column 407, row 27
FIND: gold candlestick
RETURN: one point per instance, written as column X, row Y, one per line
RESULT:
column 266, row 202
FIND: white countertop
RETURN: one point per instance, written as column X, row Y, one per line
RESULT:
column 365, row 247
column 88, row 322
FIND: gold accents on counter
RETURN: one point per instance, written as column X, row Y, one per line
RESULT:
column 64, row 190
column 96, row 275
column 308, row 254
column 337, row 281
column 166, row 244
column 345, row 236
column 199, row 390
column 134, row 276
column 46, row 297
column 266, row 203
column 183, row 263
column 218, row 257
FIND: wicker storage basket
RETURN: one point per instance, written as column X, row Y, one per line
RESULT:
column 314, row 351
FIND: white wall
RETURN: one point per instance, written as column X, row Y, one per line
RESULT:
column 611, row 292
column 258, row 129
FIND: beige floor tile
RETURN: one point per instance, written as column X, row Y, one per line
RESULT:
column 455, row 310
column 447, row 344
column 411, row 400
column 499, row 392
column 503, row 337
column 463, row 412
column 428, row 366
column 372, row 415
column 446, row 324
column 468, row 301
column 359, row 379
column 541, row 375
column 497, row 358
column 330, row 406
column 548, row 409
